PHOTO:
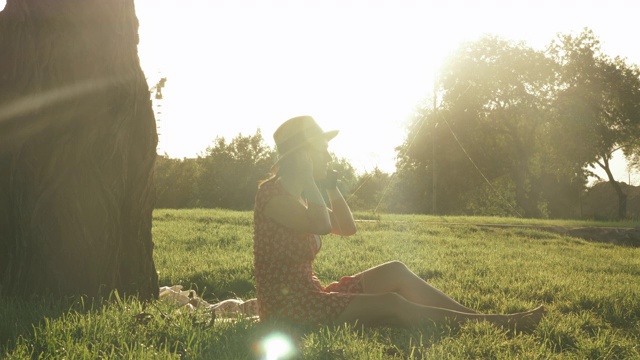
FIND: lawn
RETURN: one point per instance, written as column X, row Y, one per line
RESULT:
column 591, row 289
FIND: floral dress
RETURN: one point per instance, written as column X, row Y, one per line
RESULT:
column 286, row 285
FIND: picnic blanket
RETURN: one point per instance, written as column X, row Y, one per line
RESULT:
column 189, row 300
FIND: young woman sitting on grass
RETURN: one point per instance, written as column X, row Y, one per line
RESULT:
column 289, row 217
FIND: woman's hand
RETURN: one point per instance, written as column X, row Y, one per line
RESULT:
column 330, row 182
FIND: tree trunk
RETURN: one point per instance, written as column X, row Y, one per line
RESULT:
column 622, row 197
column 525, row 200
column 77, row 149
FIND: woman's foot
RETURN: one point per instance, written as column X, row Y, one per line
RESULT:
column 525, row 321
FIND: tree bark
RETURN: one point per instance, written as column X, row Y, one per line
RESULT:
column 525, row 199
column 77, row 149
column 622, row 197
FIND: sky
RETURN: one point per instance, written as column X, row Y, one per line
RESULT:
column 361, row 67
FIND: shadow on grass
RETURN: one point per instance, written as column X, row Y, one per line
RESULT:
column 627, row 237
column 619, row 236
column 20, row 315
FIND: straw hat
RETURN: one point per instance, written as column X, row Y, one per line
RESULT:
column 297, row 132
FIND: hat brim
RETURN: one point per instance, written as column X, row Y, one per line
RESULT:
column 328, row 135
column 331, row 134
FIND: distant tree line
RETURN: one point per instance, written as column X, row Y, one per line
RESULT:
column 226, row 176
column 228, row 173
column 510, row 131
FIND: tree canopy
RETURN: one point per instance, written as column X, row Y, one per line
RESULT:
column 522, row 124
column 597, row 105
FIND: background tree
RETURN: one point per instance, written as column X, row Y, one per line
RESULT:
column 230, row 172
column 489, row 125
column 347, row 177
column 413, row 188
column 77, row 150
column 176, row 183
column 369, row 191
column 501, row 91
column 227, row 176
column 598, row 106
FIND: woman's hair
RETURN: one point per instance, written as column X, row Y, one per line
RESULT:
column 285, row 166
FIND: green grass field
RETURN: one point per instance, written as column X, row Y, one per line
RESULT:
column 591, row 289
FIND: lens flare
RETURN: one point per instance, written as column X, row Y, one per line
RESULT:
column 277, row 346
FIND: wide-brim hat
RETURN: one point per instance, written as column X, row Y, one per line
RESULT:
column 296, row 133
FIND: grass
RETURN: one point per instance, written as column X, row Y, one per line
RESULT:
column 591, row 290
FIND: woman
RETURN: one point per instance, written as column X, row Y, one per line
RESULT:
column 290, row 215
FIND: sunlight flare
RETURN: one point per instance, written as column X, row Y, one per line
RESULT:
column 37, row 102
column 277, row 346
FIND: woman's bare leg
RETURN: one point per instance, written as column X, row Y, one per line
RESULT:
column 395, row 277
column 394, row 310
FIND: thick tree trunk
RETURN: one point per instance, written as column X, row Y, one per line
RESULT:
column 77, row 149
column 622, row 197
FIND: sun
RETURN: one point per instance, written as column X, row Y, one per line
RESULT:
column 355, row 75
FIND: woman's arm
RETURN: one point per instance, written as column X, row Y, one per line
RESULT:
column 342, row 222
column 287, row 211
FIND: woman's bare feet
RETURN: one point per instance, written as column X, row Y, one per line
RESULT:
column 525, row 321
column 522, row 321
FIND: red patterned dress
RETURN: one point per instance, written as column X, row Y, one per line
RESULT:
column 287, row 287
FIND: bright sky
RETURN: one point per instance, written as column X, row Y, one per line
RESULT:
column 234, row 66
column 357, row 66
